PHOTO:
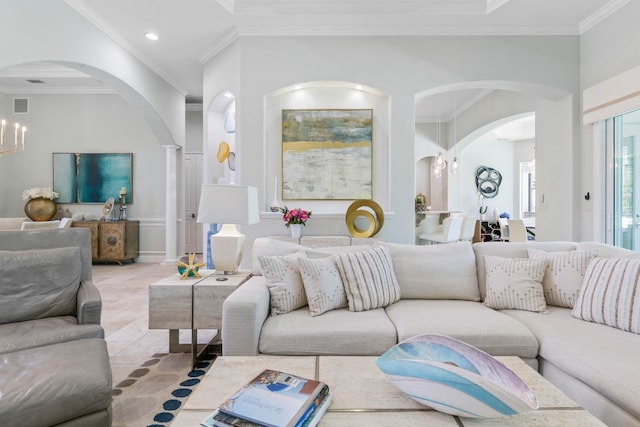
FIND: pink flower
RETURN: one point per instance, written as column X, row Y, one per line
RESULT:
column 295, row 216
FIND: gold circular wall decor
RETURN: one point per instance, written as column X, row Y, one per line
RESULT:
column 375, row 222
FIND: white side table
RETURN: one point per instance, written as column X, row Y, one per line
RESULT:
column 192, row 303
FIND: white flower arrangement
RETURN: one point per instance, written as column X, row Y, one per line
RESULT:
column 45, row 192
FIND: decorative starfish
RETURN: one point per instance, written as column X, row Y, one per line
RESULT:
column 192, row 266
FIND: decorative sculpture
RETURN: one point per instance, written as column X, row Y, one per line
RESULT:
column 488, row 181
column 375, row 222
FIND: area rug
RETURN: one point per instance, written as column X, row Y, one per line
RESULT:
column 153, row 394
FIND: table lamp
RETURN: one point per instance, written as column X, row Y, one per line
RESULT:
column 228, row 205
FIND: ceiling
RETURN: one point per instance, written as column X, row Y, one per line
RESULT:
column 193, row 31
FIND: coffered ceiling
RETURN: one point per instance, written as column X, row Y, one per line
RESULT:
column 192, row 31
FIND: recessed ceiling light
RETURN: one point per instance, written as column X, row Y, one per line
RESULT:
column 151, row 36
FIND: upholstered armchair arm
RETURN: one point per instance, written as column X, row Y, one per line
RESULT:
column 89, row 304
column 243, row 314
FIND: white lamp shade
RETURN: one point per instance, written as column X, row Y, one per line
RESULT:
column 228, row 204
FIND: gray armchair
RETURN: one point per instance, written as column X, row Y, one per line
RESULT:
column 54, row 364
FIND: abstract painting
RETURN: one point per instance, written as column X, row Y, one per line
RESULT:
column 327, row 154
column 91, row 177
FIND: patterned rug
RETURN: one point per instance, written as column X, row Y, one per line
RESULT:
column 153, row 394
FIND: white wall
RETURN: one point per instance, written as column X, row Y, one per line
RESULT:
column 55, row 32
column 89, row 124
column 498, row 155
column 606, row 51
column 400, row 67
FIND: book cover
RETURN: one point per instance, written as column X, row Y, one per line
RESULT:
column 219, row 419
column 274, row 399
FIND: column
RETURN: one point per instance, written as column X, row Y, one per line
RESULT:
column 171, row 205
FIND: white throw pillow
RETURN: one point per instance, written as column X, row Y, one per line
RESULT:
column 610, row 294
column 322, row 284
column 515, row 283
column 266, row 246
column 369, row 279
column 564, row 274
column 284, row 282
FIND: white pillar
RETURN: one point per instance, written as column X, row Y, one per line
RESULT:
column 171, row 205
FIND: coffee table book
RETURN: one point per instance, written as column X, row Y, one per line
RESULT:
column 274, row 399
column 218, row 419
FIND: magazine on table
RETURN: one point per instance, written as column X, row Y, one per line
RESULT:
column 272, row 399
column 218, row 419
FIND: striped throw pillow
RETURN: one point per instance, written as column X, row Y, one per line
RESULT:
column 515, row 283
column 610, row 294
column 564, row 274
column 369, row 279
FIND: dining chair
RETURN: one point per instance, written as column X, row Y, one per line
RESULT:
column 468, row 228
column 450, row 231
column 504, row 229
column 517, row 231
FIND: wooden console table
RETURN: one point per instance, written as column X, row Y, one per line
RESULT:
column 113, row 240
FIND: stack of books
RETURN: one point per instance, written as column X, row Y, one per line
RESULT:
column 273, row 399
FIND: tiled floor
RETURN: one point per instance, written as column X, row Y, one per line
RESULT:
column 125, row 314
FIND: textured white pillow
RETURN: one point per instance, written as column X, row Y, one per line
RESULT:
column 369, row 279
column 322, row 284
column 265, row 246
column 515, row 283
column 564, row 274
column 610, row 294
column 284, row 282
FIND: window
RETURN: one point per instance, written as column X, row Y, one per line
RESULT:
column 625, row 200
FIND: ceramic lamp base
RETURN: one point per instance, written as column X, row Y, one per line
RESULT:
column 227, row 247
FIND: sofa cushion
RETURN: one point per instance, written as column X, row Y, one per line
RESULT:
column 59, row 383
column 446, row 271
column 515, row 283
column 322, row 284
column 511, row 250
column 469, row 321
column 607, row 251
column 604, row 358
column 335, row 332
column 51, row 330
column 564, row 274
column 369, row 279
column 284, row 282
column 44, row 281
column 610, row 294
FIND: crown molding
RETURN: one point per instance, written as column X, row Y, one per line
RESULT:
column 78, row 90
column 366, row 7
column 403, row 30
column 88, row 13
column 601, row 14
column 222, row 43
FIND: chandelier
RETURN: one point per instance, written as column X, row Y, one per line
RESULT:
column 12, row 145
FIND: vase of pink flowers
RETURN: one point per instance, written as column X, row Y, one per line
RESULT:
column 295, row 219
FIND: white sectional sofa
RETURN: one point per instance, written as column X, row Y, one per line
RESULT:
column 442, row 289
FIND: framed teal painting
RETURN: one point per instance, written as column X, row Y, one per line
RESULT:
column 327, row 154
column 92, row 177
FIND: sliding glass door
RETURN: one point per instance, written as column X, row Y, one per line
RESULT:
column 626, row 180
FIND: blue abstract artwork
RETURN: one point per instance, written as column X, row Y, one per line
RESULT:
column 92, row 177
